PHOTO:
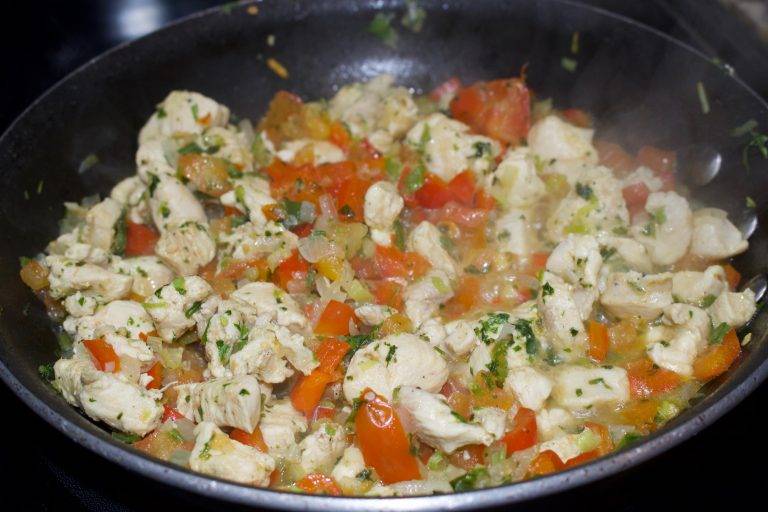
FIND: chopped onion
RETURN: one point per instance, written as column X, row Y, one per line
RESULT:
column 170, row 357
column 327, row 206
column 246, row 128
column 421, row 487
column 314, row 248
column 180, row 457
column 358, row 292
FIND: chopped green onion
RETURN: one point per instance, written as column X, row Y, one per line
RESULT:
column 569, row 64
column 702, row 92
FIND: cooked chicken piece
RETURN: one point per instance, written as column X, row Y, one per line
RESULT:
column 217, row 455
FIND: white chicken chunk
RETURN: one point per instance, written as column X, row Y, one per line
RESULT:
column 228, row 402
column 621, row 252
column 123, row 316
column 382, row 206
column 249, row 195
column 100, row 223
column 694, row 287
column 252, row 241
column 551, row 138
column 667, row 232
column 530, row 386
column 79, row 305
column 714, row 236
column 322, row 448
column 186, row 248
column 732, row 308
column 643, row 175
column 183, row 112
column 170, row 306
column 423, row 298
column 217, row 455
column 280, row 424
column 686, row 337
column 268, row 301
column 577, row 260
column 230, row 144
column 152, row 162
column 566, row 447
column 396, row 360
column 514, row 232
column 594, row 204
column 220, row 334
column 373, row 314
column 346, row 471
column 323, row 152
column 108, row 397
column 449, row 148
column 561, row 315
column 577, row 387
column 377, row 110
column 515, row 182
column 628, row 294
column 68, row 276
column 172, row 204
column 460, row 337
column 554, row 422
column 425, row 240
column 148, row 273
column 433, row 421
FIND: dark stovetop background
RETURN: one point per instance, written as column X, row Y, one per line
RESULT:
column 45, row 40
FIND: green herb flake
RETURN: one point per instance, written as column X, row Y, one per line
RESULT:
column 414, row 16
column 381, row 27
column 718, row 332
column 472, row 479
column 415, row 179
column 178, row 285
column 490, row 326
column 125, row 437
column 46, row 372
column 569, row 64
column 703, row 99
column 584, row 191
column 750, row 203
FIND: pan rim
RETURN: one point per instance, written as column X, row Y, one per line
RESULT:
column 98, row 442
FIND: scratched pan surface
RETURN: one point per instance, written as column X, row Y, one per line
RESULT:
column 641, row 86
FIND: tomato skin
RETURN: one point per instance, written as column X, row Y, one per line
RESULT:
column 646, row 381
column 544, row 463
column 309, row 389
column 524, row 434
column 169, row 413
column 103, row 355
column 716, row 360
column 446, row 90
column 598, row 341
column 253, row 439
column 140, row 239
column 156, row 372
column 436, row 193
column 317, row 483
column 294, row 267
column 334, row 321
column 500, row 109
column 635, row 196
column 732, row 275
column 383, row 441
column 350, row 199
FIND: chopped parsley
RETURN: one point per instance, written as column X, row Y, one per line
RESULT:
column 205, row 453
column 46, row 372
column 357, row 341
column 390, row 354
column 178, row 285
column 757, row 141
column 415, row 179
column 498, row 368
column 381, row 27
column 121, row 235
column 489, row 328
column 584, row 191
column 718, row 332
column 525, row 329
column 707, row 301
column 547, row 289
column 244, row 392
column 194, row 308
column 472, row 479
column 600, row 380
column 125, row 437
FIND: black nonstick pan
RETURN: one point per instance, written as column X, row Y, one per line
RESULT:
column 642, row 87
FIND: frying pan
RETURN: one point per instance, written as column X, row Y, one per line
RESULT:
column 642, row 87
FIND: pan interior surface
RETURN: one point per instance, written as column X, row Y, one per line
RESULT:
column 641, row 87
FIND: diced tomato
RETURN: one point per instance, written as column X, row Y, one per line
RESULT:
column 303, row 230
column 500, row 109
column 383, row 441
column 294, row 267
column 283, row 114
column 339, row 135
column 253, row 439
column 458, row 397
column 308, row 391
column 598, row 341
column 524, row 433
column 351, row 199
column 334, row 321
column 317, row 483
column 392, row 262
column 635, row 196
column 169, row 413
column 207, row 173
column 577, row 117
column 614, row 157
column 140, row 239
column 605, row 446
column 434, row 193
column 716, row 359
column 641, row 414
column 388, row 293
column 466, row 297
column 647, row 380
column 425, row 453
column 462, row 188
column 538, row 262
column 659, row 160
column 156, row 372
column 468, row 457
column 103, row 355
column 446, row 90
column 732, row 276
column 323, row 413
column 463, row 216
column 544, row 463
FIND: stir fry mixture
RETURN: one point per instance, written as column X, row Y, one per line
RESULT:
column 389, row 294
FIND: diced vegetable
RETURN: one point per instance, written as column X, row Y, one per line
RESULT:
column 319, row 484
column 335, row 319
column 103, row 355
column 598, row 341
column 34, row 275
column 253, row 439
column 717, row 358
column 140, row 239
column 523, row 434
column 544, row 463
column 500, row 109
column 308, row 391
